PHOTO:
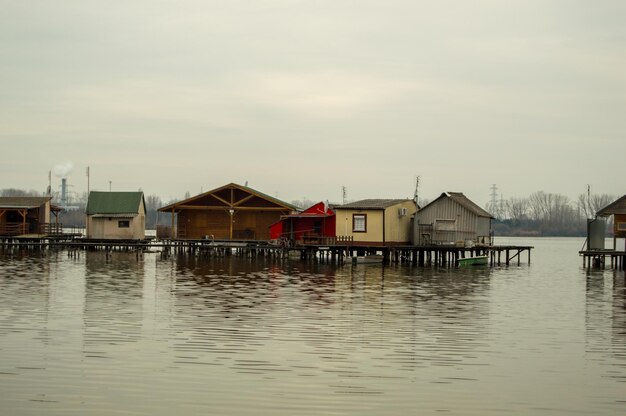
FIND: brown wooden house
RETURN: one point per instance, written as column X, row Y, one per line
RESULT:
column 27, row 215
column 231, row 212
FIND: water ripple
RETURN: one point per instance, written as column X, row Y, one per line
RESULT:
column 191, row 335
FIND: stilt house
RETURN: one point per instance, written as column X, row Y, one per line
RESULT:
column 375, row 221
column 26, row 215
column 617, row 209
column 116, row 216
column 452, row 219
column 230, row 212
column 315, row 224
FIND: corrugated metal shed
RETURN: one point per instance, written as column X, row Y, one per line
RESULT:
column 461, row 199
column 450, row 218
column 114, row 202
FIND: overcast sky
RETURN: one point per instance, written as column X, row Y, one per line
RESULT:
column 300, row 98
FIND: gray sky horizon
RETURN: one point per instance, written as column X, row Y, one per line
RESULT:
column 301, row 98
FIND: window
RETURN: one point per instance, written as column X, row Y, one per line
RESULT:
column 123, row 224
column 621, row 226
column 359, row 223
column 445, row 225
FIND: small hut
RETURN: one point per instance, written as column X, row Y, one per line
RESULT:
column 373, row 222
column 452, row 218
column 315, row 224
column 26, row 215
column 116, row 216
column 617, row 210
column 230, row 212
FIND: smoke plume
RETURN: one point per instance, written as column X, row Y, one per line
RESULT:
column 62, row 170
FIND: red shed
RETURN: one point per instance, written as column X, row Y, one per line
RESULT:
column 312, row 225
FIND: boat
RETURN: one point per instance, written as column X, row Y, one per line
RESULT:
column 473, row 261
column 374, row 258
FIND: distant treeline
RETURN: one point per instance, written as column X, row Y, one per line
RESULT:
column 546, row 214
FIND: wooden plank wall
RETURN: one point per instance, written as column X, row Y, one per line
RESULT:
column 253, row 225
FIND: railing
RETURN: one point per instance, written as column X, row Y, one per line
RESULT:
column 51, row 229
column 11, row 229
column 315, row 238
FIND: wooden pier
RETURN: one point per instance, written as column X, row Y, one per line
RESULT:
column 432, row 255
column 598, row 259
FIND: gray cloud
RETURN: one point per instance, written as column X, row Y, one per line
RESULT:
column 300, row 98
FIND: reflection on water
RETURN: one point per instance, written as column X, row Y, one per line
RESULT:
column 104, row 335
column 606, row 321
column 112, row 312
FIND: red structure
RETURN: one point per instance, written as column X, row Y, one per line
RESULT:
column 314, row 225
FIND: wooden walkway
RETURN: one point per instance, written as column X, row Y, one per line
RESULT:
column 598, row 259
column 434, row 255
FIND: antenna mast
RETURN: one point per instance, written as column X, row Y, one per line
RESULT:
column 344, row 192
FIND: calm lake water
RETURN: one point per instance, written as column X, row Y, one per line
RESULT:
column 187, row 336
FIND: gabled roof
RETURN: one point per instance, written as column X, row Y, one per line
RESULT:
column 114, row 202
column 616, row 207
column 372, row 204
column 464, row 201
column 23, row 202
column 195, row 200
column 319, row 210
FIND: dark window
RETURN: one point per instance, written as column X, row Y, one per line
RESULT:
column 123, row 224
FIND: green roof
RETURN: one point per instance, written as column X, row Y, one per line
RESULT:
column 114, row 202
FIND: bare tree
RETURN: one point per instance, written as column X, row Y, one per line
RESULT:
column 303, row 203
column 539, row 203
column 517, row 208
column 153, row 203
column 591, row 203
column 19, row 192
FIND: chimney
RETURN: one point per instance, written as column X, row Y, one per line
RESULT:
column 64, row 192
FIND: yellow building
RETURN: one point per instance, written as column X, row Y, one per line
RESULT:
column 375, row 221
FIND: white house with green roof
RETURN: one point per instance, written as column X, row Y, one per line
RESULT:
column 116, row 216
